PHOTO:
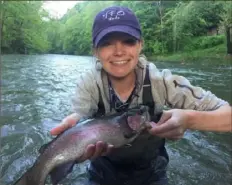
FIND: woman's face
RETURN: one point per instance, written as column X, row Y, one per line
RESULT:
column 118, row 53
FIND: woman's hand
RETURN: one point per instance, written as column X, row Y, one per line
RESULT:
column 171, row 125
column 93, row 150
column 68, row 122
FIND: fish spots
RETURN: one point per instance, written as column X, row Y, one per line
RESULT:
column 59, row 157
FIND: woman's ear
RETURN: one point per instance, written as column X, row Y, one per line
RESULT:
column 94, row 52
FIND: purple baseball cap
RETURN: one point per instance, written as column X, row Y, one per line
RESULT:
column 115, row 19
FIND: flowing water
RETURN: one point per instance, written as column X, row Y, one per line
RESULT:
column 35, row 97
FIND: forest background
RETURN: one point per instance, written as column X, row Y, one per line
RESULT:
column 172, row 30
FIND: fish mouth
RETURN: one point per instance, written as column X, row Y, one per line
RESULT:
column 136, row 117
column 135, row 122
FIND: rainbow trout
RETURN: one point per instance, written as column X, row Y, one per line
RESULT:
column 58, row 156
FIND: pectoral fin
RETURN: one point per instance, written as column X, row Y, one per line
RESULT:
column 43, row 147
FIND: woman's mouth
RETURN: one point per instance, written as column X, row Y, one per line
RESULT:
column 120, row 62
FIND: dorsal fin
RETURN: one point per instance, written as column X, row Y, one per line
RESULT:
column 44, row 147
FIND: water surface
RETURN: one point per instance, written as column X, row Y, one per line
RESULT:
column 36, row 93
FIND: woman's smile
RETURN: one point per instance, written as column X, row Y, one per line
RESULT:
column 120, row 62
column 118, row 53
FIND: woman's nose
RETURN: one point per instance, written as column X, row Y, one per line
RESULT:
column 119, row 48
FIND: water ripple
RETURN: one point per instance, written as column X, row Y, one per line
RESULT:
column 36, row 93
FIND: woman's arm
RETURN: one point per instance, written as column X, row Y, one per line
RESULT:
column 191, row 108
column 174, row 122
column 218, row 120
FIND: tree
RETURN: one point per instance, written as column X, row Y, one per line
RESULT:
column 1, row 18
column 227, row 22
column 168, row 26
column 22, row 27
column 192, row 19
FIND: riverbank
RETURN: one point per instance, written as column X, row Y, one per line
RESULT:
column 210, row 55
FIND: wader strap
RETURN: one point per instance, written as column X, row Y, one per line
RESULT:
column 101, row 107
column 147, row 94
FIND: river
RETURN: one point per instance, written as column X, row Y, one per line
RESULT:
column 35, row 94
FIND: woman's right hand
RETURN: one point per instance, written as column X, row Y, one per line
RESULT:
column 93, row 150
column 68, row 122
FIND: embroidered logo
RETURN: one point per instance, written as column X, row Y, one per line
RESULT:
column 189, row 88
column 113, row 15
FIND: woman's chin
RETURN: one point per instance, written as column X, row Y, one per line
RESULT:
column 119, row 75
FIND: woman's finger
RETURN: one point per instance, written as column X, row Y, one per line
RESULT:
column 89, row 152
column 109, row 149
column 60, row 128
column 165, row 116
column 163, row 128
column 100, row 148
column 67, row 122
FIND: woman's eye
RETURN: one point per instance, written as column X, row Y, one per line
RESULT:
column 104, row 44
column 130, row 42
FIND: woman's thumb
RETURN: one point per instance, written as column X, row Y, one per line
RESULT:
column 165, row 116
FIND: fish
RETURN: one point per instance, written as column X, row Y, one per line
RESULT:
column 58, row 157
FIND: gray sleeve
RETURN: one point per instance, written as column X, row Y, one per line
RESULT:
column 181, row 94
column 85, row 99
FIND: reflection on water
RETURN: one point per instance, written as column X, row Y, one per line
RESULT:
column 36, row 93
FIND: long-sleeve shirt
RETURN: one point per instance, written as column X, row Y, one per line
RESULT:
column 168, row 90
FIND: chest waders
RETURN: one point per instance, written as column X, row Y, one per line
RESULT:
column 140, row 164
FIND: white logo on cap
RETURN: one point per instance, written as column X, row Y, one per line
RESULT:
column 113, row 15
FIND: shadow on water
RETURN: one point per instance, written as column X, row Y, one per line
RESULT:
column 36, row 93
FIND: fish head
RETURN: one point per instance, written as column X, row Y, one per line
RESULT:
column 134, row 121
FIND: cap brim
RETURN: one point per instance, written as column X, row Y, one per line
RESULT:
column 124, row 29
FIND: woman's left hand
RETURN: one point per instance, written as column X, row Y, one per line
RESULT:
column 171, row 125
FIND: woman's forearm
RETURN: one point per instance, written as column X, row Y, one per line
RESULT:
column 217, row 120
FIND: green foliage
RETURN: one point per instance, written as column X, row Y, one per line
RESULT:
column 22, row 27
column 227, row 22
column 204, row 42
column 77, row 39
column 210, row 55
column 168, row 26
column 194, row 18
column 226, row 16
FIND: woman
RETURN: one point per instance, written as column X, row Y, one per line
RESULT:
column 123, row 79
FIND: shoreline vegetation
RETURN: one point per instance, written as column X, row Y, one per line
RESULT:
column 172, row 30
column 212, row 55
column 215, row 54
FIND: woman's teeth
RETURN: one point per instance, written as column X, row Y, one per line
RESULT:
column 120, row 62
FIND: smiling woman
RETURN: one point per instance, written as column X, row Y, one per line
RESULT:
column 125, row 79
column 58, row 8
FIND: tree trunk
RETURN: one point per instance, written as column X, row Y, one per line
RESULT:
column 161, row 25
column 1, row 25
column 174, row 37
column 1, row 28
column 229, row 39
